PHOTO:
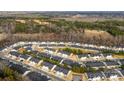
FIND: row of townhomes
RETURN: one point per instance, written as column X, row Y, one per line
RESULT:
column 47, row 57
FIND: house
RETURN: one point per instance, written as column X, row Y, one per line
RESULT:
column 82, row 57
column 76, row 46
column 14, row 54
column 111, row 64
column 108, row 56
column 36, row 76
column 122, row 72
column 68, row 62
column 61, row 44
column 95, row 64
column 121, row 61
column 17, row 47
column 47, row 66
column 23, row 57
column 19, row 68
column 28, row 48
column 50, row 50
column 112, row 75
column 44, row 55
column 57, row 58
column 64, row 54
column 95, row 56
column 34, row 61
column 97, row 76
column 28, row 45
column 61, row 72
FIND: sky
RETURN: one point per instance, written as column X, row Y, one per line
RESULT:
column 61, row 5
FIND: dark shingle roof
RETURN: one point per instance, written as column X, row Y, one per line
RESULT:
column 17, row 47
column 122, row 61
column 94, row 75
column 29, row 45
column 76, row 46
column 19, row 68
column 49, row 65
column 44, row 55
column 57, row 58
column 42, row 45
column 50, row 49
column 94, row 64
column 61, row 45
column 82, row 55
column 111, row 73
column 111, row 63
column 28, row 48
column 35, row 76
column 122, row 71
column 14, row 53
column 34, row 60
column 24, row 56
column 60, row 69
column 68, row 62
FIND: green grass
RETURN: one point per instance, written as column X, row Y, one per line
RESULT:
column 113, row 52
column 76, row 51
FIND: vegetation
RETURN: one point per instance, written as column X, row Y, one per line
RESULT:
column 78, row 69
column 112, row 26
column 76, row 51
column 8, row 74
column 122, row 67
column 62, row 30
column 113, row 52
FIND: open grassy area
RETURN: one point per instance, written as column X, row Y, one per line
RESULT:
column 77, row 51
column 119, row 54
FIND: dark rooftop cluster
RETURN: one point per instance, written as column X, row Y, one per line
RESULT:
column 24, row 56
column 63, row 70
column 35, row 60
column 35, row 76
column 19, row 68
column 44, row 55
column 57, row 58
column 112, row 63
column 17, row 47
column 14, row 53
column 110, row 73
column 94, row 64
column 47, row 64
column 68, row 62
column 106, row 74
column 94, row 75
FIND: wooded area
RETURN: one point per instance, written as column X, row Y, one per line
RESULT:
column 46, row 29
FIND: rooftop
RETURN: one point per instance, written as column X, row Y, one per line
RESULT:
column 94, row 64
column 63, row 70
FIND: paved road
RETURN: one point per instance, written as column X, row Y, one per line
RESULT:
column 55, row 78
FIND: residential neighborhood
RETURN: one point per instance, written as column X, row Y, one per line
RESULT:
column 66, row 61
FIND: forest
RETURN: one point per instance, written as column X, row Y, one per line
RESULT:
column 50, row 29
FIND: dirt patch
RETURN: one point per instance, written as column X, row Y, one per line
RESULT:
column 96, row 33
column 3, row 36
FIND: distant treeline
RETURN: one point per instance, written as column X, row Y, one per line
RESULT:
column 56, row 26
column 49, row 29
